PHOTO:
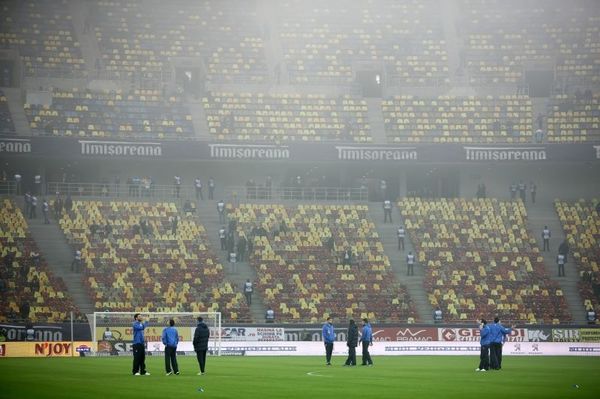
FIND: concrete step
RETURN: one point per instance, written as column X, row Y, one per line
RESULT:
column 376, row 120
column 15, row 100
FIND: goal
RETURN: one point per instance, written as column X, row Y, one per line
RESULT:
column 112, row 332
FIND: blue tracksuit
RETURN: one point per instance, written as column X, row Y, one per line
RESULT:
column 367, row 334
column 485, row 335
column 328, row 333
column 138, row 332
column 497, row 333
column 170, row 337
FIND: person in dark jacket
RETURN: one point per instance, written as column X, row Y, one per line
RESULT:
column 367, row 340
column 328, row 339
column 139, row 350
column 201, row 336
column 563, row 249
column 352, row 343
column 170, row 338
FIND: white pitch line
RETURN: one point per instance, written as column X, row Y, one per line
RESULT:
column 315, row 374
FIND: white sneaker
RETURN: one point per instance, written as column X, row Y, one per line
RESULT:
column 483, row 370
column 169, row 373
column 137, row 373
column 199, row 373
column 147, row 374
column 477, row 370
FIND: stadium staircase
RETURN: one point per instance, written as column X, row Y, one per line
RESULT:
column 15, row 105
column 208, row 217
column 87, row 41
column 541, row 214
column 376, row 120
column 198, row 119
column 59, row 255
column 450, row 11
column 389, row 239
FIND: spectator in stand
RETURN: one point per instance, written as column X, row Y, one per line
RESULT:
column 221, row 211
column 484, row 341
column 538, row 136
column 387, row 211
column 532, row 191
column 328, row 339
column 223, row 238
column 18, row 179
column 347, row 257
column 37, row 184
column 497, row 336
column 241, row 248
column 401, row 235
column 174, row 224
column 69, row 204
column 139, row 351
column 24, row 310
column 563, row 249
column 410, row 264
column 546, row 234
column 198, row 187
column 248, row 291
column 560, row 261
column 27, row 204
column 45, row 210
column 33, row 208
column 437, row 315
column 58, row 206
column 211, row 188
column 76, row 264
column 590, row 315
column 233, row 261
column 170, row 339
column 270, row 315
column 367, row 340
column 201, row 336
column 351, row 343
column 177, row 184
column 35, row 258
column 513, row 191
column 522, row 190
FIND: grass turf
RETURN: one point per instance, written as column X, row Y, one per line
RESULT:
column 411, row 377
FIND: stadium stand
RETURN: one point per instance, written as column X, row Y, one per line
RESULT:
column 142, row 38
column 286, row 117
column 503, row 38
column 43, row 33
column 139, row 113
column 153, row 270
column 322, row 43
column 447, row 119
column 479, row 259
column 26, row 279
column 6, row 123
column 574, row 118
column 304, row 280
column 581, row 223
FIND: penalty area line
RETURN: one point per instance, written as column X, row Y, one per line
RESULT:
column 316, row 374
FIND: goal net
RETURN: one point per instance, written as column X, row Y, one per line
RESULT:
column 113, row 331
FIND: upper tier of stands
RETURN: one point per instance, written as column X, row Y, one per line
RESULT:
column 324, row 42
column 581, row 223
column 574, row 118
column 42, row 31
column 6, row 123
column 480, row 260
column 143, row 37
column 24, row 279
column 447, row 119
column 503, row 38
column 286, row 117
column 140, row 113
column 304, row 280
column 162, row 269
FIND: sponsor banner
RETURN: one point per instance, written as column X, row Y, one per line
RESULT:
column 589, row 334
column 48, row 332
column 405, row 334
column 66, row 147
column 248, row 333
column 539, row 334
column 45, row 349
column 449, row 334
column 15, row 146
column 393, row 348
column 566, row 335
column 2, row 350
column 151, row 333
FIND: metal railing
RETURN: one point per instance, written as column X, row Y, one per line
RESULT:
column 122, row 190
column 242, row 193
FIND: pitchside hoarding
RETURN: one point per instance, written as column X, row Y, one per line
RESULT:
column 44, row 349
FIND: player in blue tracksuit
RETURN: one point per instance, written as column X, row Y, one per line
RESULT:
column 139, row 350
column 170, row 338
column 328, row 339
column 497, row 336
column 484, row 356
column 367, row 340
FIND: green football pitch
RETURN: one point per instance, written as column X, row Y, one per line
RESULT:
column 412, row 377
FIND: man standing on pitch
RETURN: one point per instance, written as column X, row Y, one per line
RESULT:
column 497, row 333
column 139, row 350
column 484, row 356
column 328, row 339
column 367, row 340
column 201, row 336
column 170, row 338
column 352, row 342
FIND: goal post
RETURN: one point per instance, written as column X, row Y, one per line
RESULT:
column 112, row 332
